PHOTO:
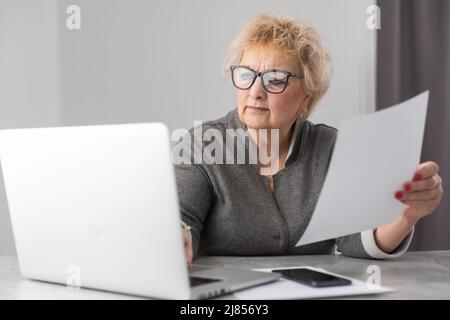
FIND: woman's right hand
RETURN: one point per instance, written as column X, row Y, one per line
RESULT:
column 187, row 240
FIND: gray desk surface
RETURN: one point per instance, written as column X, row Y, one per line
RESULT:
column 416, row 275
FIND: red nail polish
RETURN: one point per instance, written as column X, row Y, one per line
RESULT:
column 398, row 195
column 407, row 186
column 417, row 176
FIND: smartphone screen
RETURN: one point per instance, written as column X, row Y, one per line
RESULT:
column 313, row 278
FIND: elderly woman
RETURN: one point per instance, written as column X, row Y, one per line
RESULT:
column 280, row 71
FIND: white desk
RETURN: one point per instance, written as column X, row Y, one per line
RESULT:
column 416, row 275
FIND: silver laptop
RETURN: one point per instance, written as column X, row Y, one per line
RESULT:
column 96, row 207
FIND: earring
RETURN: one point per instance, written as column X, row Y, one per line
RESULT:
column 300, row 114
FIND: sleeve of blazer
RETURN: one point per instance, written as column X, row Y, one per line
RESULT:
column 195, row 194
column 363, row 245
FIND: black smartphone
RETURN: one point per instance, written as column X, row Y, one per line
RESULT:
column 313, row 278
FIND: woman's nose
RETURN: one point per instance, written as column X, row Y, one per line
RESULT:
column 257, row 90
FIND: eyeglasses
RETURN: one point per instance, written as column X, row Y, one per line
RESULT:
column 273, row 81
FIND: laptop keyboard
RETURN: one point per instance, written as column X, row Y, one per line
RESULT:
column 195, row 281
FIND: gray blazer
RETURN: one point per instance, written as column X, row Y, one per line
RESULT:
column 232, row 210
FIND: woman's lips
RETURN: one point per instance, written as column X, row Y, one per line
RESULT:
column 257, row 109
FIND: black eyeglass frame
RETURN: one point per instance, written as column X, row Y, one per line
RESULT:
column 261, row 74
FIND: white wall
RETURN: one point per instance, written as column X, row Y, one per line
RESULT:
column 29, row 78
column 137, row 61
column 151, row 60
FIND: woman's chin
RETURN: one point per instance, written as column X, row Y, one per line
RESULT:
column 256, row 122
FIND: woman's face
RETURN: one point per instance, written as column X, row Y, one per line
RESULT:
column 259, row 109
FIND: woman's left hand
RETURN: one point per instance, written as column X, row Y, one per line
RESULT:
column 424, row 193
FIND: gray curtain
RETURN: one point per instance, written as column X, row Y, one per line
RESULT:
column 413, row 53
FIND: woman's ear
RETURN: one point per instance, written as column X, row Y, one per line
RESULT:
column 304, row 107
column 306, row 101
column 302, row 112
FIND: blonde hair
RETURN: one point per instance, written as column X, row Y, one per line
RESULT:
column 299, row 40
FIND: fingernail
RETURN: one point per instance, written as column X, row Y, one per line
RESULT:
column 417, row 176
column 407, row 186
column 398, row 195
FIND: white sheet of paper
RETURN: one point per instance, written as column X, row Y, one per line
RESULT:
column 287, row 289
column 373, row 156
